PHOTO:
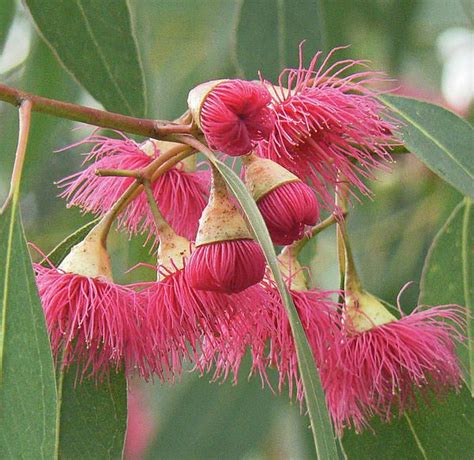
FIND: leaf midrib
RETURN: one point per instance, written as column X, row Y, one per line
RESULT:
column 466, row 280
column 6, row 282
column 102, row 57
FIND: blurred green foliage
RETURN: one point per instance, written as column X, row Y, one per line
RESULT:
column 185, row 42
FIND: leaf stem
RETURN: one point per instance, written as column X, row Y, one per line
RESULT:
column 156, row 129
column 23, row 132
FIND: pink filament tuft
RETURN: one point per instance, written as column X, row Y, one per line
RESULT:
column 93, row 322
column 287, row 210
column 328, row 126
column 182, row 319
column 382, row 370
column 181, row 196
column 235, row 115
column 272, row 345
column 226, row 266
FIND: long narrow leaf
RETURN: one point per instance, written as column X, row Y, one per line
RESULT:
column 448, row 275
column 315, row 400
column 27, row 383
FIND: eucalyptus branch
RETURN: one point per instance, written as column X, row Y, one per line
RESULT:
column 24, row 130
column 156, row 129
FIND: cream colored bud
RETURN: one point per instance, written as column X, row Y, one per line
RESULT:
column 173, row 250
column 263, row 175
column 89, row 258
column 364, row 311
column 221, row 219
column 292, row 270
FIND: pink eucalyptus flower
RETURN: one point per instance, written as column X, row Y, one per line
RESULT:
column 181, row 195
column 381, row 370
column 318, row 315
column 272, row 345
column 226, row 266
column 182, row 318
column 287, row 210
column 235, row 115
column 93, row 322
column 328, row 125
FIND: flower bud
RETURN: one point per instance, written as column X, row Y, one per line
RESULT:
column 292, row 270
column 226, row 258
column 89, row 257
column 364, row 312
column 173, row 250
column 286, row 203
column 233, row 114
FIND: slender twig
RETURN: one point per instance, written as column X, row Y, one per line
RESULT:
column 297, row 246
column 347, row 268
column 158, row 218
column 117, row 172
column 156, row 129
column 155, row 169
column 24, row 129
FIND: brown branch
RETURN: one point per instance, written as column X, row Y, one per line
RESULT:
column 156, row 129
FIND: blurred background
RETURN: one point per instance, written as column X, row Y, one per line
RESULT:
column 426, row 46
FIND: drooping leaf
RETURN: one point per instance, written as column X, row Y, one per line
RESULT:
column 92, row 417
column 95, row 41
column 439, row 431
column 314, row 395
column 448, row 275
column 439, row 138
column 269, row 32
column 27, row 381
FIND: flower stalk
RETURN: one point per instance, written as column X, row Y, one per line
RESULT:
column 152, row 172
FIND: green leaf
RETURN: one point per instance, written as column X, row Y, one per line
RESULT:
column 27, row 381
column 95, row 41
column 315, row 400
column 448, row 275
column 439, row 431
column 7, row 7
column 92, row 418
column 269, row 32
column 439, row 138
column 57, row 255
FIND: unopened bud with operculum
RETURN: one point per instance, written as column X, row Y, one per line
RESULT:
column 287, row 204
column 233, row 114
